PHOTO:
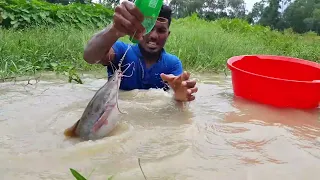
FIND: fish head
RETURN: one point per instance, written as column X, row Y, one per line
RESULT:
column 114, row 84
column 115, row 80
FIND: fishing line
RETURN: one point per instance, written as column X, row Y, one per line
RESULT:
column 121, row 73
column 125, row 53
column 114, row 68
column 129, row 64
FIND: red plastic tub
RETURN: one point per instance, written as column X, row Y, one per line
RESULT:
column 276, row 80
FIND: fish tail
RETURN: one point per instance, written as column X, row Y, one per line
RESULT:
column 71, row 131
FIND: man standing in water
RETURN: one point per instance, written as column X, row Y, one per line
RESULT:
column 153, row 65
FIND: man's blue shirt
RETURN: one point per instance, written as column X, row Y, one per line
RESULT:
column 143, row 77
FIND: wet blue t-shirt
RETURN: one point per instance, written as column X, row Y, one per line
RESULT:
column 141, row 76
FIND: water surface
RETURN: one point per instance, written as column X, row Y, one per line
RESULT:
column 217, row 136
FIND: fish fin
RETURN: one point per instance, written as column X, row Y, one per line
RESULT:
column 71, row 131
column 103, row 120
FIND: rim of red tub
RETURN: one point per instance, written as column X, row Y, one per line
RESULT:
column 275, row 57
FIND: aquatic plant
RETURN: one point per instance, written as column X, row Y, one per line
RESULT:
column 78, row 176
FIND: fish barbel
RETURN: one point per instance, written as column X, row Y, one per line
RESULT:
column 101, row 114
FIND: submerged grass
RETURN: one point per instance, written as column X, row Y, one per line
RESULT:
column 79, row 176
column 201, row 45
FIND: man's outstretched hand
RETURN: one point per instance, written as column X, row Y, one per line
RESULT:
column 181, row 85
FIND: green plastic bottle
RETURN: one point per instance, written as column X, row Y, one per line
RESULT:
column 150, row 10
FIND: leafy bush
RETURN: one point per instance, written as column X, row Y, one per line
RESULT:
column 22, row 13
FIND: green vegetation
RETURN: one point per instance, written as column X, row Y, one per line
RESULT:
column 22, row 13
column 225, row 38
column 300, row 15
column 30, row 42
column 78, row 176
column 60, row 48
column 37, row 35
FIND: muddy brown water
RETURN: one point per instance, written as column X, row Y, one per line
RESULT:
column 217, row 136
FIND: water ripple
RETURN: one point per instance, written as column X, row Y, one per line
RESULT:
column 217, row 135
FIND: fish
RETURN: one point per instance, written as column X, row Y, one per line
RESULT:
column 100, row 116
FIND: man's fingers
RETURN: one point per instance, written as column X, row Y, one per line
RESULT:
column 166, row 77
column 127, row 22
column 189, row 83
column 192, row 90
column 121, row 21
column 134, row 10
column 191, row 98
column 122, row 30
column 127, row 13
column 185, row 76
column 177, row 81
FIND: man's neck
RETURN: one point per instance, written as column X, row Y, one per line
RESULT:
column 149, row 58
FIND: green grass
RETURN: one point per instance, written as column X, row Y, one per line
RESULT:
column 57, row 49
column 201, row 45
column 206, row 46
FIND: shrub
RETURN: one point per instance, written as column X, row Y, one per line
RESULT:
column 21, row 14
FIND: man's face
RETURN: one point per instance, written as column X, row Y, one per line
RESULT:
column 156, row 39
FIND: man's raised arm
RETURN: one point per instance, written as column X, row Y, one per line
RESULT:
column 98, row 49
column 126, row 21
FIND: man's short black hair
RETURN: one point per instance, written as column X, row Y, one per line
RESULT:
column 166, row 12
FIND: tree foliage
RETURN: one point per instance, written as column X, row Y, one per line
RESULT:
column 303, row 16
column 300, row 15
column 209, row 9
